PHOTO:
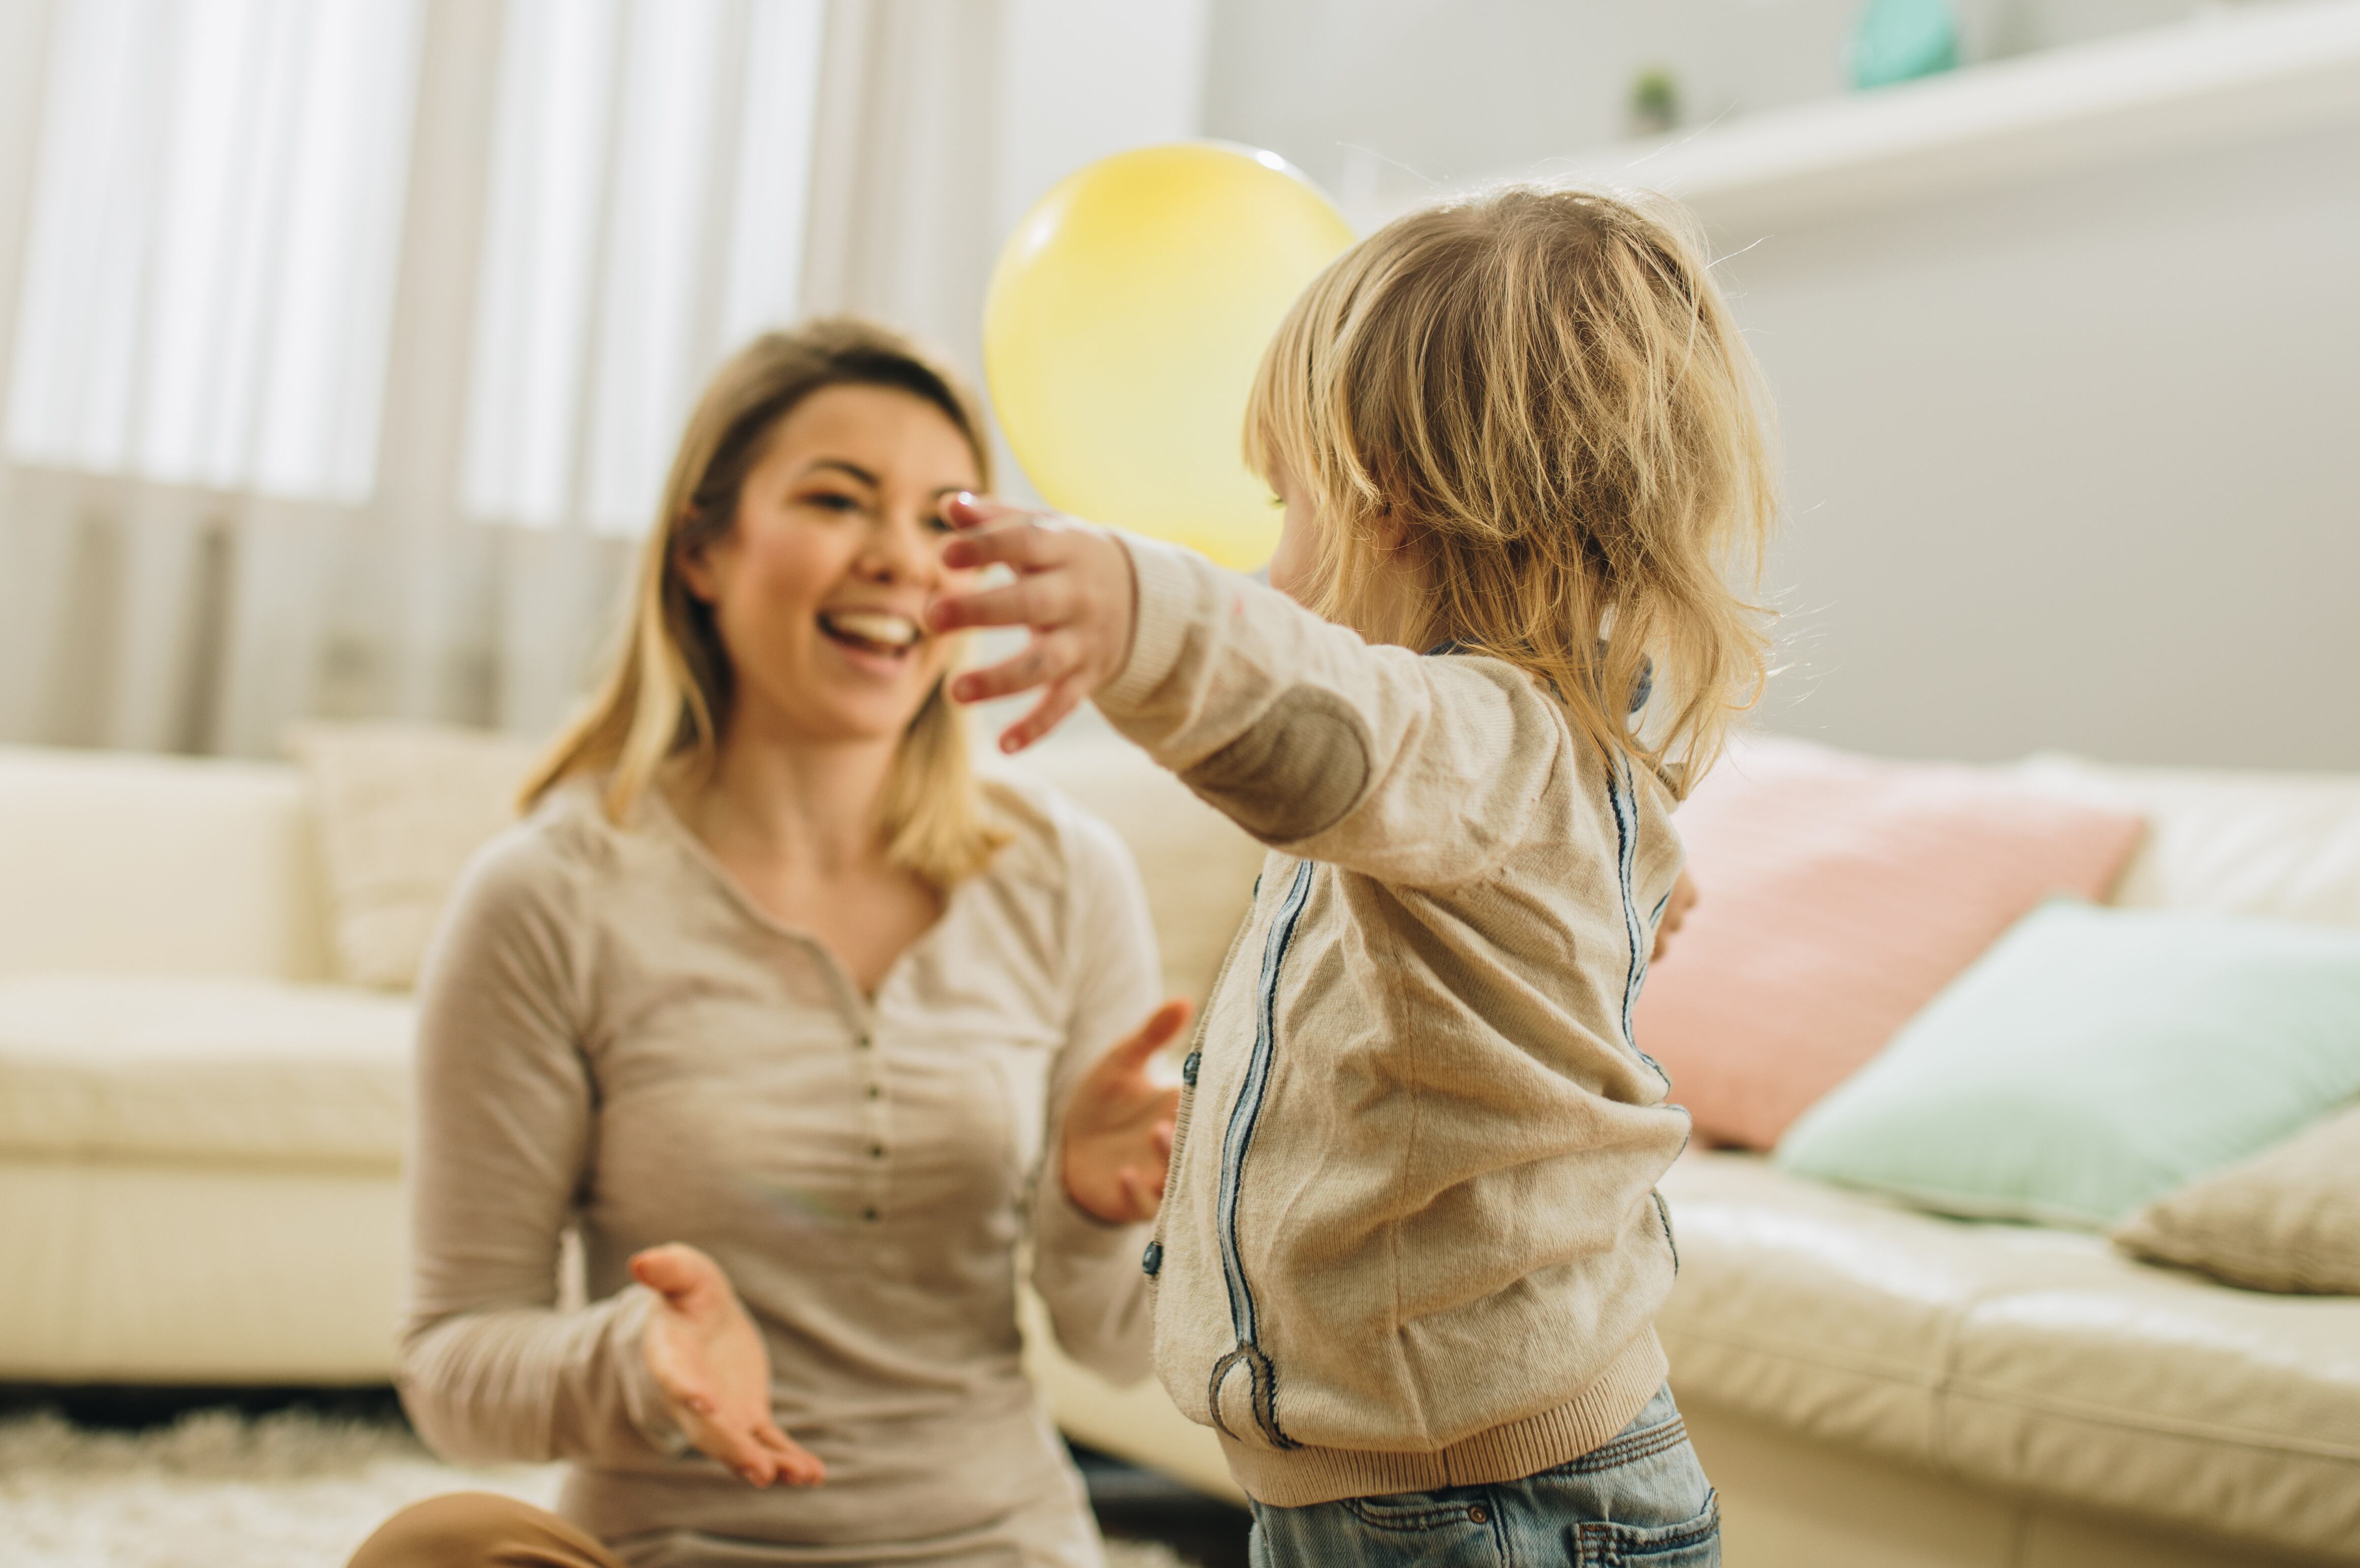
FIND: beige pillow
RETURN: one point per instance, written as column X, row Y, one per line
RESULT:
column 402, row 808
column 2287, row 1219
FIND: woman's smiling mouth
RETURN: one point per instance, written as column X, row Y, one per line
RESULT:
column 881, row 633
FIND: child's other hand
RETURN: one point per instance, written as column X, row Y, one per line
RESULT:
column 1117, row 1143
column 1675, row 913
column 1073, row 587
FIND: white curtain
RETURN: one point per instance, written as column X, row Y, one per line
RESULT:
column 344, row 345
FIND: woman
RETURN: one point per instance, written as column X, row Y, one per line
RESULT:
column 780, row 1008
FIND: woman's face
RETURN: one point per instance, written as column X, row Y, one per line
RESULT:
column 819, row 589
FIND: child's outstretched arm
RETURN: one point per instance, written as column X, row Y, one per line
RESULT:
column 1421, row 771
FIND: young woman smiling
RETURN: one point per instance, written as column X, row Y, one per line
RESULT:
column 803, row 1029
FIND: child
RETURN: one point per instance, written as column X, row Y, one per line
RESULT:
column 1410, row 1255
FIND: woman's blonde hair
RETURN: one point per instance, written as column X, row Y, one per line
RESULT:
column 1537, row 400
column 666, row 695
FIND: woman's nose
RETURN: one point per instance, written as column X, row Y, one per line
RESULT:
column 901, row 549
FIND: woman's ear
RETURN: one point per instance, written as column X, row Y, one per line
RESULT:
column 692, row 557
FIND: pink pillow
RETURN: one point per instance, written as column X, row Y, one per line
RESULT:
column 1839, row 893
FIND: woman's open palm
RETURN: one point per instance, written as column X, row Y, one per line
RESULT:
column 707, row 1357
column 1119, row 1126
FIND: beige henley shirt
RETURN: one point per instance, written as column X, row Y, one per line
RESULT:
column 613, row 1038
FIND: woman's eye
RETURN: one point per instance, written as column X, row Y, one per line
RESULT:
column 831, row 501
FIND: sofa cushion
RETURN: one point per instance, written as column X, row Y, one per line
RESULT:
column 2094, row 1060
column 104, row 854
column 2279, row 844
column 2287, row 1219
column 248, row 1071
column 2033, row 1360
column 1840, row 893
column 403, row 808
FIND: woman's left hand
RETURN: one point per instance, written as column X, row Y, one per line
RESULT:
column 1119, row 1126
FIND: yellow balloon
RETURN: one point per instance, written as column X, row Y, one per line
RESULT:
column 1125, row 319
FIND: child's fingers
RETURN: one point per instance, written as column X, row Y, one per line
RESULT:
column 968, row 510
column 1046, row 715
column 1024, row 543
column 1049, row 656
column 1043, row 599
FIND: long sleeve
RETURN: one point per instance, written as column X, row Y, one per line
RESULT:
column 1086, row 1271
column 1406, row 769
column 490, row 1368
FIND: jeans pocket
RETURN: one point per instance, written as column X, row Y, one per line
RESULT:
column 1417, row 1511
column 1693, row 1543
column 1429, row 1530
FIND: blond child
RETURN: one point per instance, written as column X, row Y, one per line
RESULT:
column 1411, row 1253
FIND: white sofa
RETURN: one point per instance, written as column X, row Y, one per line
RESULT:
column 199, row 1183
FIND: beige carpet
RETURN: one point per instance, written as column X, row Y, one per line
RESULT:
column 281, row 1491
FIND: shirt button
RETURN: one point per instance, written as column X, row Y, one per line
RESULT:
column 863, row 1041
column 876, row 1151
column 875, row 1091
column 868, row 1214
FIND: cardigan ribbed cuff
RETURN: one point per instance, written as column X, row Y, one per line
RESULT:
column 1298, row 1477
column 1163, row 598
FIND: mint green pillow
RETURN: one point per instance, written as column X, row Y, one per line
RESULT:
column 2093, row 1060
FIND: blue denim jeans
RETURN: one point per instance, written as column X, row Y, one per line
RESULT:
column 1641, row 1500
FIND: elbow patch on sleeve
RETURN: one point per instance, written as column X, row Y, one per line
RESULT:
column 1294, row 774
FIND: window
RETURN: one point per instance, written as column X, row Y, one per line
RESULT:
column 209, row 279
column 209, row 274
column 649, row 166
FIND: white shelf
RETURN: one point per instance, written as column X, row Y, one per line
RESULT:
column 2229, row 77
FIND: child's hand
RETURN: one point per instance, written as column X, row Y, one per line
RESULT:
column 708, row 1359
column 1073, row 587
column 1675, row 913
column 1118, row 1144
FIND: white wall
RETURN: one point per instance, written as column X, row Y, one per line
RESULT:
column 1377, row 97
column 1083, row 79
column 2074, row 465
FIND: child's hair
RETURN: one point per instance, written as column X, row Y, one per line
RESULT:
column 666, row 692
column 1537, row 399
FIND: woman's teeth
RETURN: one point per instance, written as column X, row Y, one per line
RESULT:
column 879, row 631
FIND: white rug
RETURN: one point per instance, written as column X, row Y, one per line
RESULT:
column 280, row 1491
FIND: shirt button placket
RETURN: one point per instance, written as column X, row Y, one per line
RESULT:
column 869, row 1068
